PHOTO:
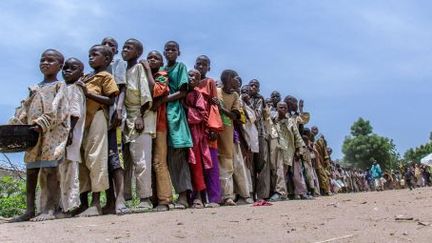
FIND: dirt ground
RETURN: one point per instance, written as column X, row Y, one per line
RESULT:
column 359, row 217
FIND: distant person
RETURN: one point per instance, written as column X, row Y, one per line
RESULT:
column 376, row 175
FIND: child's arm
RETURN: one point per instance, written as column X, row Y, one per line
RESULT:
column 104, row 100
column 118, row 115
column 148, row 73
column 74, row 121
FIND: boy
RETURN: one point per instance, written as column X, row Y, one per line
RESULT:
column 261, row 170
column 199, row 155
column 101, row 90
column 229, row 105
column 249, row 143
column 179, row 137
column 47, row 110
column 240, row 175
column 300, row 189
column 207, row 87
column 288, row 141
column 73, row 70
column 115, row 194
column 140, row 125
column 160, row 166
column 322, row 157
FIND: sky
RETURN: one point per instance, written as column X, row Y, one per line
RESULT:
column 346, row 59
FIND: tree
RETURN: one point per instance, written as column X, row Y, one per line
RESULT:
column 363, row 145
column 416, row 154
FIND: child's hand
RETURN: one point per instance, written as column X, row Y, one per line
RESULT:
column 83, row 86
column 145, row 64
column 139, row 124
column 215, row 101
column 156, row 104
column 212, row 136
column 36, row 128
column 301, row 105
column 117, row 117
column 70, row 138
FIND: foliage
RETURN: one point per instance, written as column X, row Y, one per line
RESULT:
column 416, row 154
column 363, row 145
column 12, row 196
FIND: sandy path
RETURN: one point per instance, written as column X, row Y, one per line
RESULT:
column 360, row 217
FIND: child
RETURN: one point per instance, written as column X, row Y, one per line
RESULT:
column 199, row 154
column 160, row 166
column 249, row 144
column 322, row 157
column 140, row 125
column 68, row 169
column 207, row 87
column 261, row 166
column 240, row 175
column 160, row 92
column 300, row 189
column 179, row 137
column 47, row 110
column 288, row 141
column 115, row 200
column 101, row 90
column 229, row 105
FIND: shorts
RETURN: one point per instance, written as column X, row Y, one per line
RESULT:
column 114, row 160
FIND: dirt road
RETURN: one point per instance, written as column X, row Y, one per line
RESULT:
column 360, row 217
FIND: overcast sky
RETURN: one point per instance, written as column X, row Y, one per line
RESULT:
column 346, row 59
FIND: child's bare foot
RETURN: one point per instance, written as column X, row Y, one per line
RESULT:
column 230, row 202
column 44, row 216
column 62, row 215
column 22, row 218
column 91, row 212
column 197, row 204
column 121, row 208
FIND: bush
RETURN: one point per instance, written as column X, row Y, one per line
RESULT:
column 12, row 196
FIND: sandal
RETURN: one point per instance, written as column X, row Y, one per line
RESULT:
column 212, row 205
column 162, row 208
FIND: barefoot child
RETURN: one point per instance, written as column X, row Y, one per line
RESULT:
column 229, row 105
column 140, row 125
column 199, row 154
column 160, row 166
column 47, row 110
column 101, row 90
column 179, row 137
column 68, row 169
column 207, row 87
column 115, row 194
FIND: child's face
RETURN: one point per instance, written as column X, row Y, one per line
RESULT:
column 97, row 59
column 275, row 97
column 49, row 63
column 111, row 43
column 129, row 51
column 282, row 109
column 72, row 71
column 245, row 93
column 194, row 78
column 254, row 87
column 236, row 84
column 292, row 104
column 202, row 65
column 171, row 52
column 155, row 60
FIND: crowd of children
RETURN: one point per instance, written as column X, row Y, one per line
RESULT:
column 154, row 122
